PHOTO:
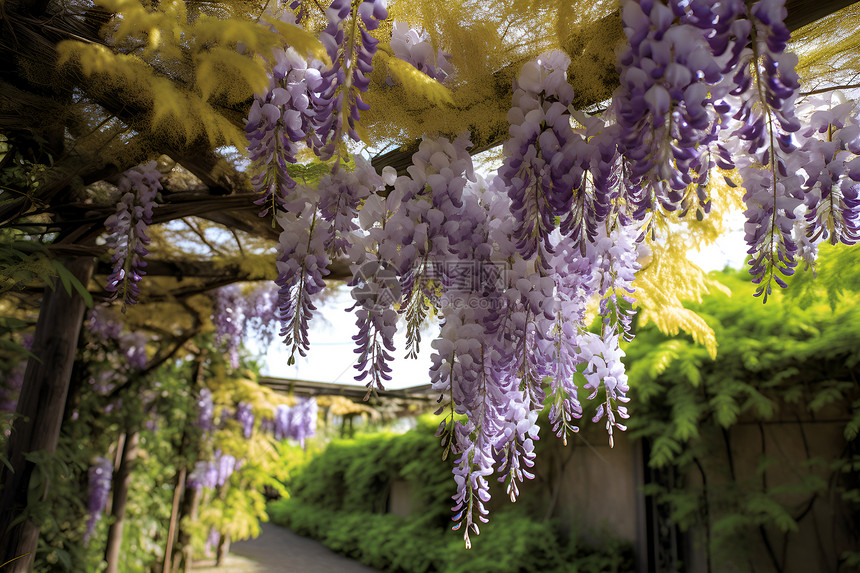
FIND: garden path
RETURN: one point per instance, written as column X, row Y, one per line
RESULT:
column 278, row 549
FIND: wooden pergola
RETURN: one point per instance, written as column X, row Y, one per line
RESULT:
column 32, row 86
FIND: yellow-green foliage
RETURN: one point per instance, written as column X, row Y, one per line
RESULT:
column 237, row 508
column 829, row 50
column 231, row 387
column 185, row 71
column 177, row 113
column 196, row 50
column 670, row 278
column 414, row 81
column 664, row 285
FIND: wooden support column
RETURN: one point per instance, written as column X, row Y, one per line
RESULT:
column 121, row 482
column 40, row 412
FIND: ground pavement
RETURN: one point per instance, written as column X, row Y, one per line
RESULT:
column 278, row 549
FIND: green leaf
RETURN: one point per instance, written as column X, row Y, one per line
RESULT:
column 726, row 409
column 65, row 276
column 64, row 558
column 730, row 525
column 664, row 451
column 71, row 281
column 768, row 510
column 825, row 397
column 82, row 290
column 415, row 81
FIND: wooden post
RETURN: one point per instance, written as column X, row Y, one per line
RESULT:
column 182, row 550
column 40, row 412
column 120, row 499
column 223, row 550
column 190, row 506
column 174, row 519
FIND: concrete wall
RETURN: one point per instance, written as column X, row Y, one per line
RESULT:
column 594, row 490
column 799, row 450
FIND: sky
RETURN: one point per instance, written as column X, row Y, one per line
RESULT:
column 331, row 357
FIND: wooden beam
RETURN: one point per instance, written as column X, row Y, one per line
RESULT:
column 423, row 394
column 803, row 12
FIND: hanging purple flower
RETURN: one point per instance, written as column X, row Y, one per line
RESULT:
column 668, row 74
column 127, row 227
column 303, row 420
column 535, row 171
column 99, row 479
column 229, row 320
column 132, row 346
column 762, row 104
column 341, row 194
column 260, row 310
column 205, row 411
column 241, row 312
column 831, row 143
column 103, row 323
column 204, row 474
column 298, row 422
column 245, row 417
column 226, row 465
column 414, row 46
column 278, row 121
column 614, row 262
column 302, row 264
column 282, row 422
column 594, row 166
column 351, row 48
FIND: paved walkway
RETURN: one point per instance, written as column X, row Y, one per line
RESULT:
column 280, row 550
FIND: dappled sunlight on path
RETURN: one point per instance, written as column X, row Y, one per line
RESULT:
column 279, row 549
column 234, row 564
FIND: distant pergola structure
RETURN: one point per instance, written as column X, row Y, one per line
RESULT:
column 390, row 404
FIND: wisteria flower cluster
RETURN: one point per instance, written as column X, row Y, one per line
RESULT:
column 245, row 417
column 277, row 122
column 138, row 188
column 341, row 193
column 117, row 352
column 213, row 474
column 242, row 312
column 397, row 262
column 511, row 262
column 533, row 172
column 668, row 78
column 830, row 145
column 99, row 484
column 298, row 422
column 414, row 46
column 351, row 48
column 205, row 411
column 302, row 264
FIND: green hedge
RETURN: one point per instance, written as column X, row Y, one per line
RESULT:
column 511, row 542
column 340, row 498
